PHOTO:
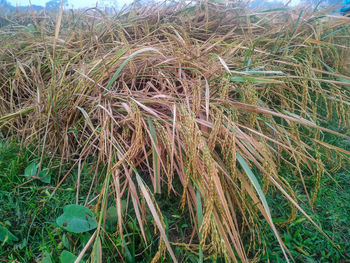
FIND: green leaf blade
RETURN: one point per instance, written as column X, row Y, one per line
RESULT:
column 77, row 219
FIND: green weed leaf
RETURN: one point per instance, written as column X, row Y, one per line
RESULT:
column 65, row 241
column 67, row 257
column 31, row 170
column 7, row 236
column 45, row 176
column 111, row 218
column 46, row 258
column 77, row 219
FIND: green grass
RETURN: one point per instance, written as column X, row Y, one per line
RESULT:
column 29, row 213
column 331, row 211
column 27, row 210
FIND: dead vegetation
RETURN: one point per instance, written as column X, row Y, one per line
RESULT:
column 210, row 94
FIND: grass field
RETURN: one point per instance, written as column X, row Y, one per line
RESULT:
column 30, row 214
column 183, row 132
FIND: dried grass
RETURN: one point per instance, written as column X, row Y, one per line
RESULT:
column 209, row 94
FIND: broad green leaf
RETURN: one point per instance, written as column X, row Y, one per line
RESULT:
column 112, row 218
column 45, row 176
column 7, row 236
column 68, row 257
column 46, row 258
column 31, row 170
column 112, row 212
column 77, row 219
column 65, row 241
